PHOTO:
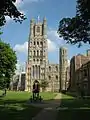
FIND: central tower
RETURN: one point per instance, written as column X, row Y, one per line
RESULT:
column 37, row 53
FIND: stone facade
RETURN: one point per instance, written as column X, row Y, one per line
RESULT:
column 53, row 77
column 63, row 63
column 37, row 64
column 83, row 78
column 38, row 67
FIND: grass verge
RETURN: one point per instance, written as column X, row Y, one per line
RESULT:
column 72, row 108
column 13, row 106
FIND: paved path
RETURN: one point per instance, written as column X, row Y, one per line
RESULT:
column 49, row 111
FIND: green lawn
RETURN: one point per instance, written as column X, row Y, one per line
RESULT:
column 14, row 107
column 75, row 108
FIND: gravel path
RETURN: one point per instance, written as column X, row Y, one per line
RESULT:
column 49, row 111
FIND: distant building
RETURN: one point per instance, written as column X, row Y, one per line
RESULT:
column 77, row 65
column 83, row 78
column 18, row 82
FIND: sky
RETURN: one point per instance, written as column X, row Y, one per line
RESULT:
column 54, row 10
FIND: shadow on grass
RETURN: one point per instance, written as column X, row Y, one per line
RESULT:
column 17, row 110
column 73, row 108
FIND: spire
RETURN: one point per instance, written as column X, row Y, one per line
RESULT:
column 38, row 18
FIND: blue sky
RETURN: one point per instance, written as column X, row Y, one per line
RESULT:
column 17, row 34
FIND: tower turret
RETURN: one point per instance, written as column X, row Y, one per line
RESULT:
column 44, row 27
column 31, row 27
column 63, row 65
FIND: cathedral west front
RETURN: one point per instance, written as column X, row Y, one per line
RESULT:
column 38, row 66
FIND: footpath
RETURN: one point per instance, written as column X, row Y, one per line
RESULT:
column 49, row 111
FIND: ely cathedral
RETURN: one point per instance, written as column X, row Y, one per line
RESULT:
column 60, row 77
column 38, row 66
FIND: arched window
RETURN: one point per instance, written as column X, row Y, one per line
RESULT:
column 34, row 42
column 34, row 60
column 41, row 43
column 40, row 60
column 37, row 43
column 56, row 77
column 37, row 53
column 34, row 52
column 49, row 77
column 49, row 68
column 56, row 68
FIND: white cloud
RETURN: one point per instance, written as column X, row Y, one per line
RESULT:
column 20, row 3
column 8, row 19
column 51, row 46
column 21, row 48
column 53, row 36
column 54, row 42
column 20, row 66
column 68, row 62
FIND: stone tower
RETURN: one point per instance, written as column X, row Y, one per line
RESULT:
column 62, row 67
column 37, row 53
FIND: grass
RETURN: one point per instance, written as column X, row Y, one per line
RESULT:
column 76, row 108
column 14, row 107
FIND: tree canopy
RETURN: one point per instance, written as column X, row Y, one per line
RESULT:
column 8, row 8
column 8, row 62
column 77, row 29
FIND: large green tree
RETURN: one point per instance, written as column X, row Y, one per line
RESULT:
column 8, row 8
column 8, row 62
column 77, row 29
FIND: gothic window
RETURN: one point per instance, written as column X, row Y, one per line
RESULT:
column 37, row 60
column 56, row 68
column 34, row 60
column 37, row 53
column 49, row 68
column 37, row 43
column 56, row 77
column 40, row 60
column 34, row 52
column 49, row 77
column 34, row 42
column 38, row 29
column 41, row 43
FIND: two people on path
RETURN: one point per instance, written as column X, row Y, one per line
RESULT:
column 36, row 89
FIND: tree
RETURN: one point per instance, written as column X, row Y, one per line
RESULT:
column 8, row 62
column 8, row 8
column 77, row 29
column 44, row 84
